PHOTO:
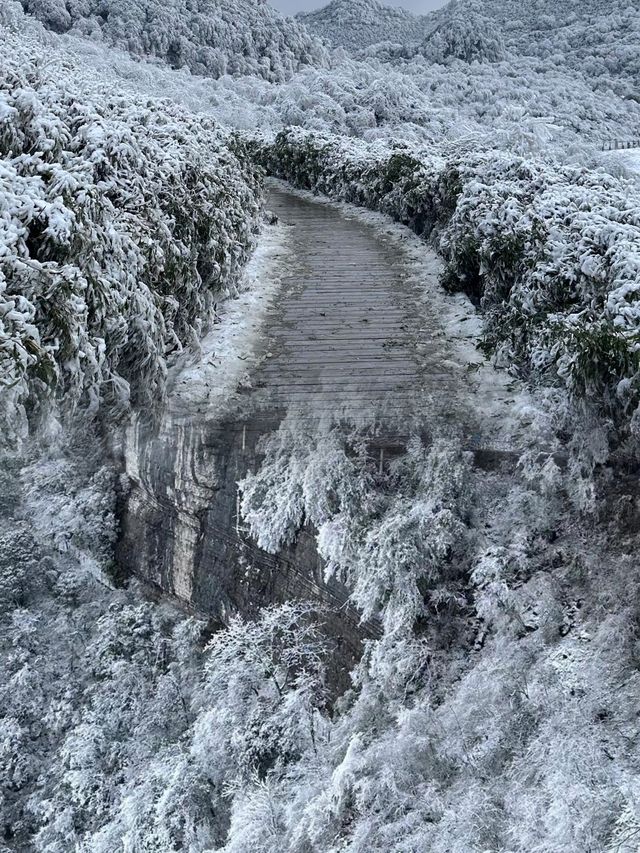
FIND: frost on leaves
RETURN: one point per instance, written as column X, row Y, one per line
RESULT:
column 396, row 538
column 119, row 223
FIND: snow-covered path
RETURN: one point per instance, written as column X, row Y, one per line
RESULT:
column 343, row 319
column 358, row 330
column 361, row 331
column 342, row 330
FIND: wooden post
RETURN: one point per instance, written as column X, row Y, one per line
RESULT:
column 381, row 469
column 238, row 512
column 244, row 438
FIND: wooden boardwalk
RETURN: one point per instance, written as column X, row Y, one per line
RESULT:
column 341, row 337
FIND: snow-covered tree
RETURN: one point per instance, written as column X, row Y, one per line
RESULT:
column 210, row 37
column 357, row 24
column 470, row 37
column 120, row 221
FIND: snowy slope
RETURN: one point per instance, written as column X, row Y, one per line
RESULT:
column 601, row 40
column 356, row 24
column 210, row 37
column 628, row 159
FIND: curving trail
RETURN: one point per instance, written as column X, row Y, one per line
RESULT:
column 340, row 330
column 353, row 333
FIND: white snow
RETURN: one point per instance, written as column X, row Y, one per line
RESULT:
column 628, row 158
column 231, row 349
column 499, row 708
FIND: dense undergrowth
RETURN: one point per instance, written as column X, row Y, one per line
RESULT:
column 496, row 712
column 121, row 223
column 124, row 724
column 497, row 706
column 549, row 253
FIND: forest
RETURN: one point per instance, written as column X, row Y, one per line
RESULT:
column 495, row 706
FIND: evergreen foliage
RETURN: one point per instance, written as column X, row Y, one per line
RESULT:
column 120, row 222
column 210, row 37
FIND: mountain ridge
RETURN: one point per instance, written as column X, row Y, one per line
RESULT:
column 356, row 24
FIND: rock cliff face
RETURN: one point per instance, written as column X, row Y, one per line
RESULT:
column 181, row 530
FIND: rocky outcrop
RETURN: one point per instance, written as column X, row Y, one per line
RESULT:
column 181, row 530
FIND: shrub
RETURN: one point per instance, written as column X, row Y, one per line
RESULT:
column 120, row 221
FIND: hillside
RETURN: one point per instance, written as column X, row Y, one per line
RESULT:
column 414, row 379
column 601, row 41
column 210, row 37
column 356, row 24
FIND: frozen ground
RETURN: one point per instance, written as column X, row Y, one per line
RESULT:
column 443, row 336
column 205, row 379
column 629, row 159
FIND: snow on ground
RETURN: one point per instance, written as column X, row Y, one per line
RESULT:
column 231, row 349
column 630, row 159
